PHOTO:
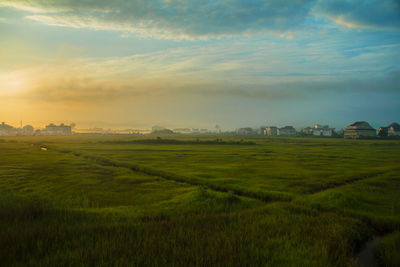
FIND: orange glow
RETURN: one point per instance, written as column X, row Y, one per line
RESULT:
column 12, row 84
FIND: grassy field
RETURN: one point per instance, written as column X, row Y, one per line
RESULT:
column 143, row 201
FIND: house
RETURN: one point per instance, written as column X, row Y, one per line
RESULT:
column 271, row 131
column 359, row 129
column 261, row 130
column 245, row 131
column 287, row 130
column 394, row 129
column 6, row 129
column 322, row 130
column 53, row 129
column 307, row 131
column 27, row 130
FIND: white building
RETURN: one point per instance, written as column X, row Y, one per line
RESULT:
column 261, row 130
column 6, row 129
column 53, row 129
column 322, row 130
column 307, row 130
column 27, row 130
column 287, row 130
column 245, row 131
column 394, row 129
column 271, row 131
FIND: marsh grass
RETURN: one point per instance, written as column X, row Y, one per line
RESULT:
column 43, row 233
column 282, row 202
column 388, row 250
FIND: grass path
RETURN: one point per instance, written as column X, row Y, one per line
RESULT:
column 261, row 196
column 347, row 182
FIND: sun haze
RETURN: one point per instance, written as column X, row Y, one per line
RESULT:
column 189, row 63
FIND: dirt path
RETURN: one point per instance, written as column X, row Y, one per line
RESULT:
column 366, row 257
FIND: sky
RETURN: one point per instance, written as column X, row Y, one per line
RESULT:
column 197, row 63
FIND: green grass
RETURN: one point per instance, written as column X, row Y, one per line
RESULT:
column 274, row 168
column 388, row 250
column 105, row 200
column 43, row 234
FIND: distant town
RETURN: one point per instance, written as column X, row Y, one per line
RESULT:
column 356, row 130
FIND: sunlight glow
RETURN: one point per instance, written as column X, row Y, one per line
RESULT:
column 12, row 84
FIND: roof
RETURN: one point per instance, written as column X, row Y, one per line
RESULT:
column 360, row 125
column 288, row 128
column 395, row 126
column 323, row 129
column 319, row 126
column 6, row 126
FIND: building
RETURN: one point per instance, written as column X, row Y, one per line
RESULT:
column 307, row 131
column 28, row 130
column 261, row 130
column 53, row 129
column 359, row 129
column 394, row 129
column 271, row 131
column 245, row 131
column 322, row 130
column 6, row 129
column 287, row 130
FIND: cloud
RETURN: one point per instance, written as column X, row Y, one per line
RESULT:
column 170, row 18
column 90, row 91
column 199, row 19
column 155, row 76
column 244, row 69
column 305, row 89
column 362, row 13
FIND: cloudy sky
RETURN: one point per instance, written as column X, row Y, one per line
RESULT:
column 197, row 63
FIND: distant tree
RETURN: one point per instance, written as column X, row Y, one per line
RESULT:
column 162, row 132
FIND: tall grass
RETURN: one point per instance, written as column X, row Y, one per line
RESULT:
column 36, row 232
column 388, row 251
column 282, row 202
